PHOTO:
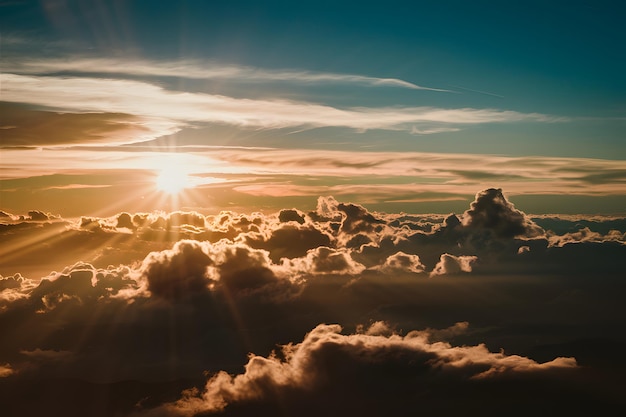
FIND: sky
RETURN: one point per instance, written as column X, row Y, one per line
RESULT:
column 287, row 207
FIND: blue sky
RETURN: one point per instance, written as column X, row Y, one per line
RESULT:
column 512, row 79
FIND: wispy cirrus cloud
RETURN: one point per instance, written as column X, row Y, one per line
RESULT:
column 163, row 111
column 391, row 176
column 195, row 69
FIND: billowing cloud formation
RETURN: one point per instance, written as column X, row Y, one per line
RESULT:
column 174, row 273
column 401, row 261
column 493, row 212
column 167, row 296
column 335, row 237
column 328, row 367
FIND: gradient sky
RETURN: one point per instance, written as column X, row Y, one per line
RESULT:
column 312, row 208
column 95, row 95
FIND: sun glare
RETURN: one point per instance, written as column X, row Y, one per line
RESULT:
column 173, row 180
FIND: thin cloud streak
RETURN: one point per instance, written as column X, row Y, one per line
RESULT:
column 283, row 172
column 478, row 91
column 191, row 69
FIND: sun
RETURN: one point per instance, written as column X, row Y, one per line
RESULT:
column 173, row 180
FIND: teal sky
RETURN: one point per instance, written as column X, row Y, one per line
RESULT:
column 511, row 79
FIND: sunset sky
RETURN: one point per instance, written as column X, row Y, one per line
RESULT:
column 429, row 193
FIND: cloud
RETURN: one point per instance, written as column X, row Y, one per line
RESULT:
column 291, row 215
column 166, row 296
column 244, row 271
column 402, row 262
column 177, row 273
column 328, row 367
column 395, row 179
column 163, row 112
column 47, row 355
column 491, row 211
column 6, row 370
column 439, row 174
column 324, row 260
column 198, row 70
column 79, row 284
column 586, row 235
column 11, row 282
column 291, row 241
column 14, row 288
column 450, row 264
column 34, row 128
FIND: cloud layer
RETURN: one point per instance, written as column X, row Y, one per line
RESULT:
column 160, row 298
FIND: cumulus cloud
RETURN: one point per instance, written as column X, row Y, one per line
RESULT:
column 450, row 264
column 176, row 273
column 80, row 284
column 192, row 269
column 12, row 282
column 492, row 211
column 402, row 262
column 324, row 260
column 492, row 230
column 292, row 215
column 328, row 367
column 586, row 235
column 14, row 288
